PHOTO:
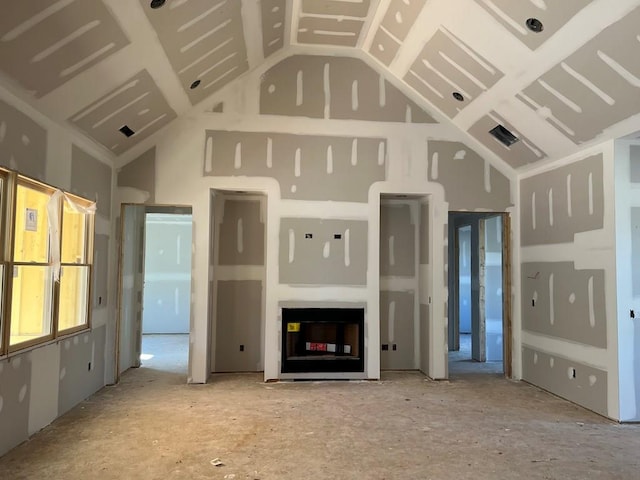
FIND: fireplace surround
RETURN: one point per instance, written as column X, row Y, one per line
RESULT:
column 322, row 340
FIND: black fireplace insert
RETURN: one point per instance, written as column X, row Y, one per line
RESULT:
column 322, row 340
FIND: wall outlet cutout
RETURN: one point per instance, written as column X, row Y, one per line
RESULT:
column 385, row 347
column 242, row 348
column 308, row 235
column 337, row 236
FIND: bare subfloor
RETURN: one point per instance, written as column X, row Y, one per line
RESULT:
column 153, row 426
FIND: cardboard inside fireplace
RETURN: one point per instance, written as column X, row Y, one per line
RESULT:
column 322, row 340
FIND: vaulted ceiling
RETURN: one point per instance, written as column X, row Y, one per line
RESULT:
column 100, row 65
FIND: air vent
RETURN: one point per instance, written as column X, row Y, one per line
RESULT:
column 503, row 135
column 126, row 131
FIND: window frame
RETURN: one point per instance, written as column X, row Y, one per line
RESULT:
column 9, row 181
column 89, row 237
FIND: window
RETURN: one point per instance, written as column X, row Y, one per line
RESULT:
column 46, row 267
column 73, row 309
column 31, row 285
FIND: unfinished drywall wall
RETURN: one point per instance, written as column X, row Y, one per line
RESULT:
column 567, row 378
column 627, row 198
column 307, row 167
column 237, row 286
column 397, row 331
column 91, row 178
column 139, row 175
column 335, row 87
column 38, row 385
column 340, row 168
column 323, row 252
column 100, row 287
column 423, row 298
column 397, row 240
column 238, row 324
column 561, row 301
column 560, row 203
column 568, row 287
column 241, row 233
column 24, row 142
column 400, row 326
column 493, row 285
column 468, row 179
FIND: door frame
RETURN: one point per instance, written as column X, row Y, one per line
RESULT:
column 148, row 208
column 459, row 219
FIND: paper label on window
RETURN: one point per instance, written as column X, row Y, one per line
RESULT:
column 293, row 327
column 31, row 220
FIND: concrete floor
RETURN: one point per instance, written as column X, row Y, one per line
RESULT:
column 460, row 362
column 153, row 426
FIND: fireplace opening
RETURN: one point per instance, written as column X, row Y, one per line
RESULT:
column 322, row 340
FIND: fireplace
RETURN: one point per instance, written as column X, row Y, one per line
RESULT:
column 322, row 340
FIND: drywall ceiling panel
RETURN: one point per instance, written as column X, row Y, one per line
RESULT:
column 400, row 17
column 595, row 87
column 522, row 152
column 273, row 18
column 137, row 103
column 332, row 22
column 45, row 43
column 384, row 47
column 335, row 87
column 396, row 23
column 514, row 16
column 447, row 65
column 204, row 41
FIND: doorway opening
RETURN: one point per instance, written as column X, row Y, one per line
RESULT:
column 479, row 311
column 154, row 288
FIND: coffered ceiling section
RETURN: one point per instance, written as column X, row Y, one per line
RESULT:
column 273, row 18
column 553, row 14
column 450, row 74
column 203, row 40
column 595, row 87
column 392, row 31
column 126, row 115
column 520, row 153
column 332, row 22
column 45, row 43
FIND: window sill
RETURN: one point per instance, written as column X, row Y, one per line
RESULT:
column 61, row 337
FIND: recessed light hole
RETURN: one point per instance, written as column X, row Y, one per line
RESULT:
column 157, row 3
column 194, row 84
column 534, row 25
column 458, row 96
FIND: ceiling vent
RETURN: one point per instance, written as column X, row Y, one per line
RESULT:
column 126, row 131
column 503, row 135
